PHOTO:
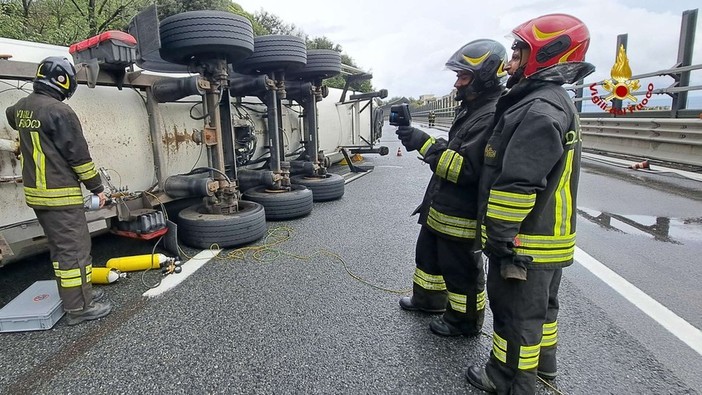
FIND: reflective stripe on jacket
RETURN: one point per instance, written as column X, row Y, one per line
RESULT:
column 530, row 177
column 450, row 206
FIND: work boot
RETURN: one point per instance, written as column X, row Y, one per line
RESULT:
column 548, row 376
column 510, row 271
column 92, row 312
column 478, row 378
column 407, row 303
column 97, row 294
column 442, row 328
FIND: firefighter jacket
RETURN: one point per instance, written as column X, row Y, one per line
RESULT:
column 449, row 207
column 54, row 153
column 528, row 187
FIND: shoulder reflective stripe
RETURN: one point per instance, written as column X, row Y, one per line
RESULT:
column 428, row 281
column 480, row 301
column 85, row 171
column 39, row 160
column 499, row 348
column 451, row 225
column 458, row 302
column 529, row 356
column 426, row 145
column 564, row 199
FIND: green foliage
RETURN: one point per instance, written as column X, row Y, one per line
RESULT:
column 64, row 22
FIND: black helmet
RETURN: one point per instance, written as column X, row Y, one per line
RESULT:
column 485, row 59
column 58, row 73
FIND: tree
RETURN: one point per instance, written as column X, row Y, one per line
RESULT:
column 339, row 81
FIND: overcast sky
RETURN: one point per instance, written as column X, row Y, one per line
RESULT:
column 406, row 44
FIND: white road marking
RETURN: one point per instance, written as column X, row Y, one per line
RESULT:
column 189, row 267
column 682, row 329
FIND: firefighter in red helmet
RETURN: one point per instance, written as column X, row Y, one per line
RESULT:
column 528, row 191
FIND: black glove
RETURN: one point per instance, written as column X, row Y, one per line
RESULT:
column 412, row 138
column 512, row 266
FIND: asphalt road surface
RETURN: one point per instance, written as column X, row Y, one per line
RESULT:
column 315, row 310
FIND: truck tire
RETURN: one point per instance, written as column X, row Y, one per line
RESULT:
column 282, row 205
column 200, row 229
column 205, row 34
column 329, row 187
column 321, row 64
column 378, row 121
column 274, row 53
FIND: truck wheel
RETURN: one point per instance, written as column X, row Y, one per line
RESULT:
column 321, row 64
column 200, row 229
column 274, row 53
column 205, row 35
column 329, row 187
column 282, row 205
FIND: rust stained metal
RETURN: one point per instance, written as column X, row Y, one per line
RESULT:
column 173, row 140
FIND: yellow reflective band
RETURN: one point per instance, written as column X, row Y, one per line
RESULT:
column 70, row 273
column 501, row 355
column 511, row 203
column 54, row 202
column 480, row 305
column 454, row 169
column 549, row 340
column 56, row 265
column 54, row 197
column 426, row 145
column 71, row 283
column 550, row 256
column 428, row 281
column 529, row 356
column 458, row 302
column 85, row 171
column 546, row 241
column 463, row 228
column 564, row 199
column 550, row 327
column 39, row 160
column 513, row 197
column 54, row 192
column 443, row 167
column 499, row 347
column 506, row 214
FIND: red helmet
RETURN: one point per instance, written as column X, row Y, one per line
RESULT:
column 553, row 39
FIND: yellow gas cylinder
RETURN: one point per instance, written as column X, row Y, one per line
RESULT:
column 137, row 262
column 106, row 275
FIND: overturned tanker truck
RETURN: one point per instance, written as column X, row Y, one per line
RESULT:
column 199, row 129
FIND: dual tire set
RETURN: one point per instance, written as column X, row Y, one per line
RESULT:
column 204, row 35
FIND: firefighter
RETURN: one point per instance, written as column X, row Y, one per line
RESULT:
column 449, row 277
column 528, row 192
column 55, row 160
column 431, row 117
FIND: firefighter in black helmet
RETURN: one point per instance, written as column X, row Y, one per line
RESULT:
column 55, row 160
column 449, row 277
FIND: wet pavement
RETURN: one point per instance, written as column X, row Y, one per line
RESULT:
column 315, row 311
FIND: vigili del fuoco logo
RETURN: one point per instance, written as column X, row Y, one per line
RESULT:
column 621, row 87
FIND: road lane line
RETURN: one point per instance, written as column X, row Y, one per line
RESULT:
column 189, row 267
column 682, row 329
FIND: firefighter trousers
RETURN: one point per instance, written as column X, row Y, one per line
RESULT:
column 525, row 328
column 69, row 247
column 450, row 274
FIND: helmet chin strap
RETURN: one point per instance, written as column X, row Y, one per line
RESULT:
column 516, row 77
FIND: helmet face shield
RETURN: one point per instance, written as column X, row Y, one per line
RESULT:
column 59, row 74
